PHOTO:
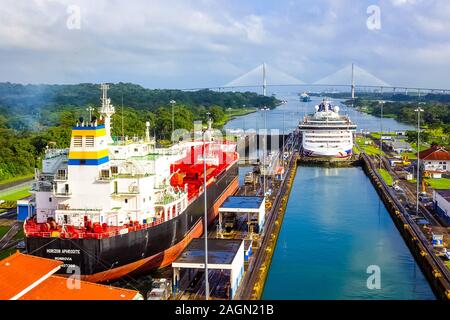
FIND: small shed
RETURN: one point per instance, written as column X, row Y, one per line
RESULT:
column 223, row 254
column 250, row 205
column 25, row 208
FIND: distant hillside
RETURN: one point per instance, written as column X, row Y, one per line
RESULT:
column 390, row 96
column 26, row 98
column 33, row 115
column 436, row 114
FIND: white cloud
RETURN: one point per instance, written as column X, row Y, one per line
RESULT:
column 403, row 2
column 196, row 43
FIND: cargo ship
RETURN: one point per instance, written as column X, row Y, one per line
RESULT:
column 109, row 207
column 327, row 135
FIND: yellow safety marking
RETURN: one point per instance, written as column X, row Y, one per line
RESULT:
column 436, row 274
column 88, row 154
column 95, row 133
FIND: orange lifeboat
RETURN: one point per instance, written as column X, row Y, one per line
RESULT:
column 177, row 180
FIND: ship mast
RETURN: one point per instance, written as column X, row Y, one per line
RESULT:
column 106, row 111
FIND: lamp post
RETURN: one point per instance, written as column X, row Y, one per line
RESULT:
column 172, row 103
column 418, row 110
column 205, row 214
column 264, row 110
column 282, row 155
column 381, row 132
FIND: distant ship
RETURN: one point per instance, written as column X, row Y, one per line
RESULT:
column 109, row 208
column 304, row 97
column 326, row 134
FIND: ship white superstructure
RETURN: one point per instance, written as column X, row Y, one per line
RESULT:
column 326, row 133
column 109, row 183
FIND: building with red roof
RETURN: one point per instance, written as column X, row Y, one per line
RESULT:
column 436, row 160
column 27, row 277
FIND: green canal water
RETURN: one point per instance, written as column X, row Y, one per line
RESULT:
column 335, row 227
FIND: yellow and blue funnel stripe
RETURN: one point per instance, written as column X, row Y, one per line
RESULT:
column 98, row 131
column 90, row 158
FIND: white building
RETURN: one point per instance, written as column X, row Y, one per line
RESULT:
column 436, row 161
column 399, row 146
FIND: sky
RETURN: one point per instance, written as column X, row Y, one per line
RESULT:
column 206, row 43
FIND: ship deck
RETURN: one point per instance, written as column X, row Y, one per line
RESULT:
column 187, row 171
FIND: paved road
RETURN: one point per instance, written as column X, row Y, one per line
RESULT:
column 15, row 184
column 10, row 214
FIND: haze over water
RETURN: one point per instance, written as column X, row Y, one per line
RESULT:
column 288, row 115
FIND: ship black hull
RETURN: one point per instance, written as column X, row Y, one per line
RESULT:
column 93, row 256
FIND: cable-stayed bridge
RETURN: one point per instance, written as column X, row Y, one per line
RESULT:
column 352, row 74
column 261, row 75
column 351, row 78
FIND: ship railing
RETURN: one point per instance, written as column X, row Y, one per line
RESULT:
column 166, row 199
column 62, row 193
column 93, row 235
column 133, row 190
column 103, row 178
column 41, row 186
column 130, row 175
column 40, row 234
column 66, row 207
column 54, row 153
column 161, row 186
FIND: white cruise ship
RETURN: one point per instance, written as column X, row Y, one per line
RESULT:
column 326, row 134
